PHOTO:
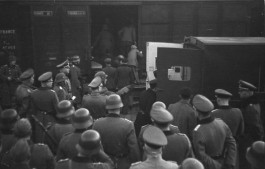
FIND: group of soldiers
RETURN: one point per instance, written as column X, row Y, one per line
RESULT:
column 49, row 128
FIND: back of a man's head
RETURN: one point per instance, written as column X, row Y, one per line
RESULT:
column 186, row 93
column 191, row 163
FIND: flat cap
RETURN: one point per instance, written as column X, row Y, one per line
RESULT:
column 154, row 136
column 95, row 82
column 243, row 85
column 161, row 115
column 133, row 47
column 45, row 77
column 65, row 64
column 222, row 93
column 202, row 103
column 27, row 74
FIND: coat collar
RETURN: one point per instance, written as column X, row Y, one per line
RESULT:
column 206, row 120
column 224, row 107
column 44, row 88
column 113, row 115
column 168, row 132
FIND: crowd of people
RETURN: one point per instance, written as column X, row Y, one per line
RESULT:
column 58, row 126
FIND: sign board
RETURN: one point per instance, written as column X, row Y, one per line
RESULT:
column 43, row 13
column 151, row 55
column 8, row 40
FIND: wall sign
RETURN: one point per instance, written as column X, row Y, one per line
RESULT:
column 8, row 40
column 43, row 13
column 76, row 13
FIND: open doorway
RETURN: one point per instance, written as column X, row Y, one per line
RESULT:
column 115, row 17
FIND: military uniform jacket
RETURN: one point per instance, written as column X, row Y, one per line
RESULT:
column 75, row 76
column 10, row 71
column 44, row 99
column 23, row 97
column 155, row 163
column 96, row 104
column 184, row 116
column 57, row 131
column 214, row 144
column 98, row 161
column 61, row 93
column 7, row 141
column 111, row 79
column 178, row 147
column 125, row 76
column 253, row 125
column 67, row 145
column 118, row 137
column 232, row 117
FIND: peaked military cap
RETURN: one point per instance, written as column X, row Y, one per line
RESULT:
column 202, row 103
column 161, row 115
column 27, row 74
column 45, row 77
column 221, row 93
column 154, row 136
column 243, row 85
column 158, row 104
column 107, row 60
column 101, row 74
column 75, row 57
column 65, row 64
column 95, row 82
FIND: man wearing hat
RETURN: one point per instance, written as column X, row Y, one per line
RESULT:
column 65, row 68
column 95, row 102
column 41, row 155
column 133, row 56
column 102, row 88
column 231, row 116
column 184, row 115
column 154, row 140
column 81, row 121
column 118, row 135
column 43, row 104
column 111, row 75
column 60, row 87
column 179, row 146
column 256, row 154
column 63, row 124
column 213, row 142
column 250, row 108
column 9, row 79
column 90, row 154
column 24, row 90
column 75, row 78
column 8, row 118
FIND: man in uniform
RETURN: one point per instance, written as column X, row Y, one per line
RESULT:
column 9, row 77
column 95, row 102
column 60, row 87
column 104, row 79
column 184, row 115
column 133, row 57
column 62, row 126
column 23, row 92
column 111, row 72
column 81, row 121
column 146, row 100
column 213, row 141
column 8, row 118
column 41, row 155
column 231, row 116
column 118, row 135
column 90, row 154
column 75, row 79
column 65, row 68
column 43, row 105
column 154, row 140
column 251, row 113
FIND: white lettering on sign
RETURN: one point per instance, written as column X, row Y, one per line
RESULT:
column 10, row 31
column 76, row 13
column 43, row 13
